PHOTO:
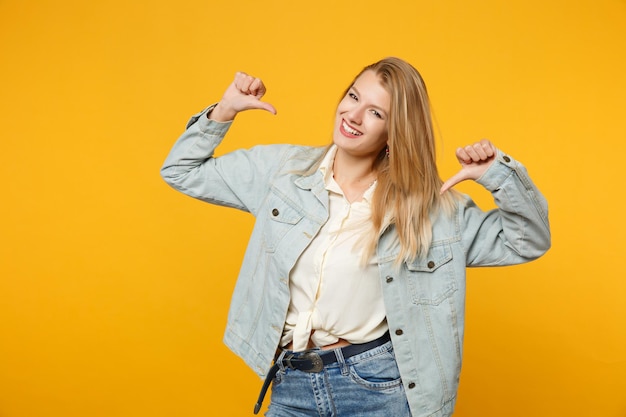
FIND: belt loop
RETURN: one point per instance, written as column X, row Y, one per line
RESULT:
column 279, row 360
column 340, row 359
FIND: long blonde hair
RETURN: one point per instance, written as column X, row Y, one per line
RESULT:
column 407, row 193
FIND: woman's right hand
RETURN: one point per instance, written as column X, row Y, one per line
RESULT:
column 244, row 93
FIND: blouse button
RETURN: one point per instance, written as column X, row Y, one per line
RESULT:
column 389, row 279
column 399, row 332
column 411, row 385
column 506, row 159
column 431, row 264
column 275, row 212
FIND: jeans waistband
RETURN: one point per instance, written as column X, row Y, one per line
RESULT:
column 314, row 361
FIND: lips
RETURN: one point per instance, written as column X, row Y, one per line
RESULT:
column 349, row 131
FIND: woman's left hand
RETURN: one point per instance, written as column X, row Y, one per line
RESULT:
column 474, row 160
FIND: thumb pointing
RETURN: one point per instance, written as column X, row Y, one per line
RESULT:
column 269, row 108
column 452, row 181
column 257, row 104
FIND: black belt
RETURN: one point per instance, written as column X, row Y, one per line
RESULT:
column 314, row 361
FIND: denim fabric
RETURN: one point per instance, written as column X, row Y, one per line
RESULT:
column 424, row 300
column 365, row 385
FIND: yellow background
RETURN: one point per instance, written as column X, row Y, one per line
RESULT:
column 114, row 288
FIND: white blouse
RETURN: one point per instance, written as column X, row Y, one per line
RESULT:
column 333, row 295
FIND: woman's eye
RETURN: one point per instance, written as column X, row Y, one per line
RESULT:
column 353, row 96
column 375, row 113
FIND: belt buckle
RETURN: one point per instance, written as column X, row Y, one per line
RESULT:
column 316, row 362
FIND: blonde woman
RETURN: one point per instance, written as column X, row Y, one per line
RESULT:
column 350, row 299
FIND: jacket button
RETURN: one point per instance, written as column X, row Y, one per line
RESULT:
column 431, row 264
column 506, row 159
column 275, row 212
column 399, row 332
column 411, row 385
column 389, row 279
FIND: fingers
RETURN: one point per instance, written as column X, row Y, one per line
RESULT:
column 253, row 87
column 250, row 85
column 475, row 159
column 477, row 152
column 244, row 93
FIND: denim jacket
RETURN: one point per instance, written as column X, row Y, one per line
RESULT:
column 424, row 299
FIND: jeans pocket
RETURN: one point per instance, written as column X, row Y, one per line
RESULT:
column 377, row 373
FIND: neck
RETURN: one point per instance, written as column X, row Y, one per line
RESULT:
column 353, row 175
column 350, row 170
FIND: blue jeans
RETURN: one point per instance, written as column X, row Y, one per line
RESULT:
column 364, row 385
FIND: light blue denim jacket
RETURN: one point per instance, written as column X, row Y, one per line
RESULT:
column 424, row 300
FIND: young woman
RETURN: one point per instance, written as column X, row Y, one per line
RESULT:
column 350, row 299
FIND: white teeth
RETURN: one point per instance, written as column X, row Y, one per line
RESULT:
column 350, row 130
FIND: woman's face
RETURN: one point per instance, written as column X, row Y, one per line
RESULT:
column 362, row 117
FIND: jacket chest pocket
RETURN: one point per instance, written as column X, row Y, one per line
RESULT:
column 280, row 219
column 431, row 280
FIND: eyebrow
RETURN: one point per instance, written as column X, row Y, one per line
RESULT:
column 356, row 90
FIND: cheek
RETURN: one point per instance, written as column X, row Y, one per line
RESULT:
column 344, row 106
column 382, row 132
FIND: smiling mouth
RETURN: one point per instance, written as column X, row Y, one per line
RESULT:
column 349, row 130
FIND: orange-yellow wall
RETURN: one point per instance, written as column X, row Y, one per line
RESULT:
column 114, row 288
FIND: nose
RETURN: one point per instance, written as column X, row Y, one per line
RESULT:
column 355, row 114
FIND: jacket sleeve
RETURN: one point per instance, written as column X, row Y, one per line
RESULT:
column 518, row 230
column 236, row 179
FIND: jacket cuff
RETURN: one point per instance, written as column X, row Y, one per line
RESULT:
column 498, row 172
column 208, row 126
